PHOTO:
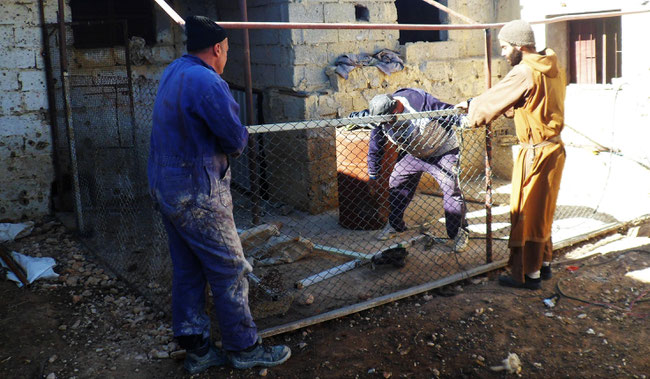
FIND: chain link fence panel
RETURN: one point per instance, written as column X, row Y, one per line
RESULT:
column 318, row 247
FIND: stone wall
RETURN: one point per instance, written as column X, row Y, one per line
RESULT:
column 26, row 169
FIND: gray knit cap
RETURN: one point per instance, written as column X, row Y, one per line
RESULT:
column 517, row 33
column 381, row 104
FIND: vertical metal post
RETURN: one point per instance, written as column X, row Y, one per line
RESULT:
column 129, row 81
column 252, row 139
column 488, row 154
column 65, row 87
column 51, row 99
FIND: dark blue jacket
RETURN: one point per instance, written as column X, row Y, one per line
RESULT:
column 196, row 124
column 420, row 101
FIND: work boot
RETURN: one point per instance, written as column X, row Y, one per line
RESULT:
column 259, row 355
column 529, row 283
column 545, row 273
column 388, row 232
column 461, row 241
column 204, row 357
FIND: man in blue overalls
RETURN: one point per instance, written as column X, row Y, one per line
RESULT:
column 196, row 129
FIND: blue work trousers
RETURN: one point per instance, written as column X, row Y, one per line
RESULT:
column 205, row 248
column 404, row 181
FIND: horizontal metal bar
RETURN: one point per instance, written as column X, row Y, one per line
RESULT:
column 336, row 250
column 315, row 124
column 364, row 26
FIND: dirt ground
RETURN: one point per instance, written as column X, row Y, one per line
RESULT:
column 89, row 324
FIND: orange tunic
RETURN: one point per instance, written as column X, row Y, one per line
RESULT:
column 536, row 89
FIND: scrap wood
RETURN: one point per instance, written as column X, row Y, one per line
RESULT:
column 13, row 266
column 257, row 236
column 284, row 249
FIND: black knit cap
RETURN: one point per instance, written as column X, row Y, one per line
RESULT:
column 202, row 32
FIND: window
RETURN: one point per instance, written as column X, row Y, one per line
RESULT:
column 97, row 23
column 594, row 49
column 419, row 12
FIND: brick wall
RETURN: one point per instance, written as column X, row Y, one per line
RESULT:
column 26, row 170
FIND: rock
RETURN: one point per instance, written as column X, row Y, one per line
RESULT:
column 157, row 354
column 302, row 345
column 387, row 374
column 76, row 299
column 371, row 371
column 582, row 315
column 264, row 371
column 178, row 354
column 51, row 376
column 590, row 331
column 307, row 299
column 427, row 297
column 435, row 372
column 52, row 358
column 63, row 327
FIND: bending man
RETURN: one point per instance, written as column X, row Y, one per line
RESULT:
column 425, row 146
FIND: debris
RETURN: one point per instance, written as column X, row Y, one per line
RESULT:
column 511, row 364
column 257, row 236
column 35, row 268
column 302, row 345
column 10, row 232
column 582, row 315
column 590, row 331
column 264, row 371
column 283, row 249
column 551, row 301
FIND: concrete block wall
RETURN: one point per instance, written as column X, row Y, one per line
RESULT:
column 26, row 168
column 299, row 63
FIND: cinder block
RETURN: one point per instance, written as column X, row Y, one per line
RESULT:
column 354, row 35
column 314, row 36
column 7, row 35
column 32, row 80
column 19, row 14
column 9, row 80
column 28, row 36
column 301, row 12
column 309, row 54
column 11, row 103
column 263, row 75
column 383, row 13
column 16, row 58
column 337, row 12
column 35, row 100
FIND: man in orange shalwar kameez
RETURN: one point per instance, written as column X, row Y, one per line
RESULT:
column 535, row 89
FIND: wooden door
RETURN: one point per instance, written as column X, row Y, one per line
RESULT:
column 583, row 52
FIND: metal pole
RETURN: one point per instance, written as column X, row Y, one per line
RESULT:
column 51, row 100
column 65, row 87
column 488, row 154
column 252, row 139
column 450, row 11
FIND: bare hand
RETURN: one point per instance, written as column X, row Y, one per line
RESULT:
column 464, row 106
